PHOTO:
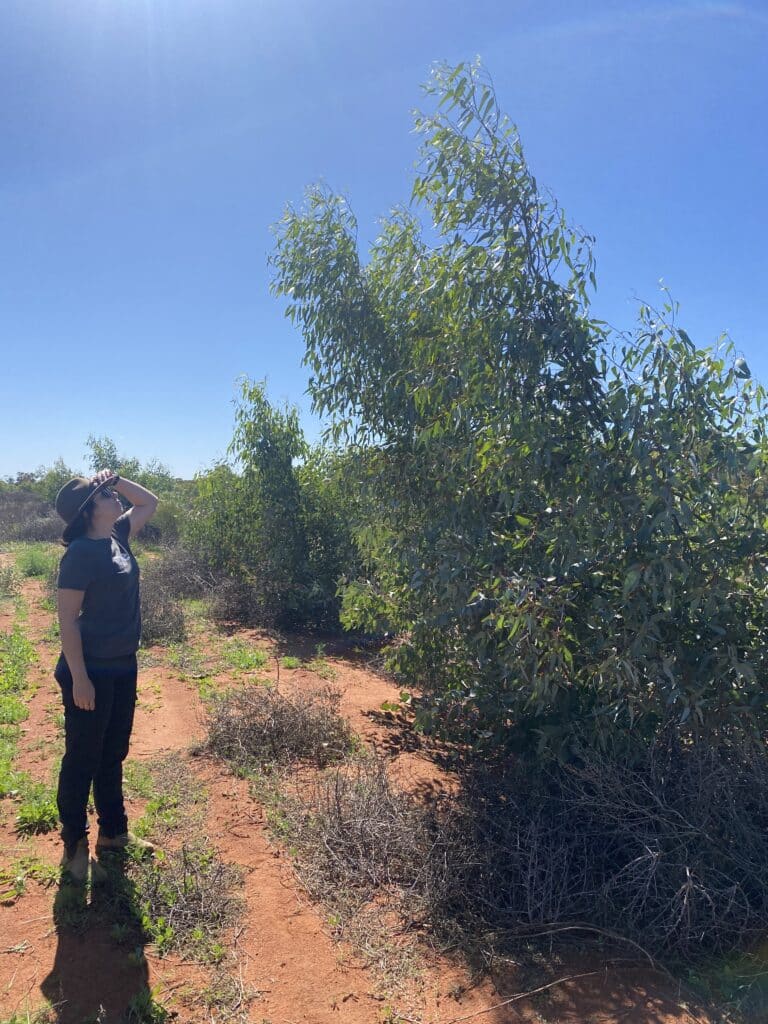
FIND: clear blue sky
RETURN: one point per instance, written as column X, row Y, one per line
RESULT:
column 147, row 146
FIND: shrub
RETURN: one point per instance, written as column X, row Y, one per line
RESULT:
column 668, row 850
column 233, row 600
column 162, row 616
column 180, row 900
column 187, row 898
column 277, row 532
column 40, row 528
column 9, row 582
column 38, row 560
column 257, row 726
column 181, row 573
column 27, row 516
column 359, row 836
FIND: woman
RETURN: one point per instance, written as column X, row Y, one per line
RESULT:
column 100, row 623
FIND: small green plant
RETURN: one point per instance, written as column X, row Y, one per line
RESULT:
column 37, row 560
column 188, row 660
column 12, row 781
column 321, row 666
column 121, row 932
column 186, row 898
column 9, row 582
column 13, row 879
column 52, row 634
column 136, row 957
column 16, row 655
column 37, row 811
column 174, row 799
column 244, row 657
column 31, row 1017
column 70, row 909
column 12, row 710
column 137, row 779
column 144, row 1009
column 290, row 661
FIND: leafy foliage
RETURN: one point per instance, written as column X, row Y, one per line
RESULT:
column 277, row 528
column 566, row 525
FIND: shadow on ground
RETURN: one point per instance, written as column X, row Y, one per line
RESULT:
column 99, row 974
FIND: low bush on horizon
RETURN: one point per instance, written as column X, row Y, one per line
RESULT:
column 26, row 516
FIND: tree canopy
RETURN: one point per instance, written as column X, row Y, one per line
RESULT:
column 566, row 524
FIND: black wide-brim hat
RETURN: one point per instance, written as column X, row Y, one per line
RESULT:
column 74, row 496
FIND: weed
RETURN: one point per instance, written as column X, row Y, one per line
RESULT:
column 137, row 779
column 188, row 660
column 52, row 634
column 10, row 779
column 13, row 879
column 289, row 661
column 37, row 560
column 37, row 811
column 186, row 899
column 144, row 1009
column 320, row 664
column 225, row 996
column 12, row 710
column 255, row 727
column 243, row 656
column 148, row 658
column 9, row 582
column 44, row 1016
column 174, row 798
column 70, row 909
column 16, row 655
column 121, row 932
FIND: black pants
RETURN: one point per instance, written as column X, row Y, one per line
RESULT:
column 96, row 746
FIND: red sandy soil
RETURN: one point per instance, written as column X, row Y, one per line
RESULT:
column 281, row 949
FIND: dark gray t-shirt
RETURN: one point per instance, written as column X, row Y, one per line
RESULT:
column 110, row 619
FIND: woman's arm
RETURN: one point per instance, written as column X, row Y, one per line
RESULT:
column 144, row 503
column 69, row 603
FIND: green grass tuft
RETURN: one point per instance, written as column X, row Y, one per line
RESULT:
column 37, row 811
column 37, row 560
column 243, row 656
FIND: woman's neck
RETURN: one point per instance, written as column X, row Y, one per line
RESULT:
column 99, row 532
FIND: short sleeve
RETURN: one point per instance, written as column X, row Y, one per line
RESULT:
column 122, row 528
column 77, row 570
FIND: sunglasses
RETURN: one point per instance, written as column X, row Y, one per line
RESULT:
column 105, row 492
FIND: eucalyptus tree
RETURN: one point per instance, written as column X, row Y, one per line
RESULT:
column 565, row 525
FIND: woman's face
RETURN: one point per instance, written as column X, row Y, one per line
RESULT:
column 106, row 506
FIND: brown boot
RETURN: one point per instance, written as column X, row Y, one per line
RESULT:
column 125, row 842
column 74, row 862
